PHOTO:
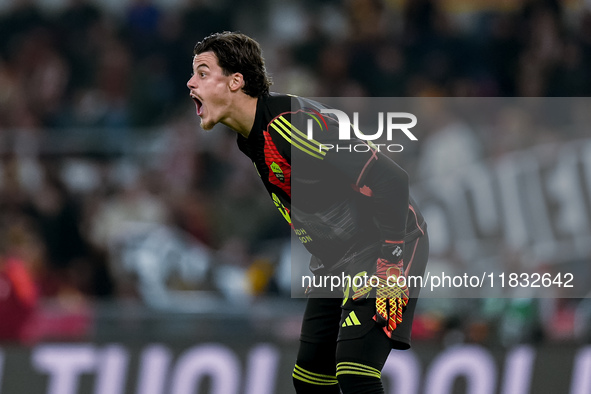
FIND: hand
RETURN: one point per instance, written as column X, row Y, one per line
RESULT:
column 391, row 294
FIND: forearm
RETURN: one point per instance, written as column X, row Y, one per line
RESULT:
column 389, row 185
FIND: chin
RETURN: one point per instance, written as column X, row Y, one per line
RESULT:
column 207, row 125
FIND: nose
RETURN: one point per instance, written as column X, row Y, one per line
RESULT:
column 192, row 82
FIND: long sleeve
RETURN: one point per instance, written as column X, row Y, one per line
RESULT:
column 388, row 186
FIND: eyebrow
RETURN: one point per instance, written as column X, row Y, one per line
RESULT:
column 201, row 65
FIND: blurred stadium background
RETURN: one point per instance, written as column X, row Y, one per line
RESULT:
column 138, row 254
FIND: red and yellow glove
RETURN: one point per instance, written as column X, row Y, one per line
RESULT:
column 391, row 294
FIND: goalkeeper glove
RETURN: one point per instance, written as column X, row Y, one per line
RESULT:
column 392, row 293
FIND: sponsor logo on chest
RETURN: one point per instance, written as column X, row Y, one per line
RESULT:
column 276, row 169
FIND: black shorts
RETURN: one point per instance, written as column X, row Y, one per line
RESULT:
column 336, row 319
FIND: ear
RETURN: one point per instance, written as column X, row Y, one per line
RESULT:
column 236, row 82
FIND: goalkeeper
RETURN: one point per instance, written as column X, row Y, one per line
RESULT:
column 351, row 209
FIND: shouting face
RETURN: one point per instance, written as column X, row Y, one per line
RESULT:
column 210, row 89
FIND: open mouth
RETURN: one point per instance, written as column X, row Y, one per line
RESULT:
column 198, row 105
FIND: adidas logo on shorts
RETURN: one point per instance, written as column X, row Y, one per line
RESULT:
column 351, row 320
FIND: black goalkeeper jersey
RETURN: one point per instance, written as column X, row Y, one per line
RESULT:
column 340, row 204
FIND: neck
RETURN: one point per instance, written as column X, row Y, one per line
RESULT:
column 242, row 118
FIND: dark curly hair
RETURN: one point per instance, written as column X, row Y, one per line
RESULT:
column 237, row 52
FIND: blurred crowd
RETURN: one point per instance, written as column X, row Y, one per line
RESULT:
column 105, row 176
